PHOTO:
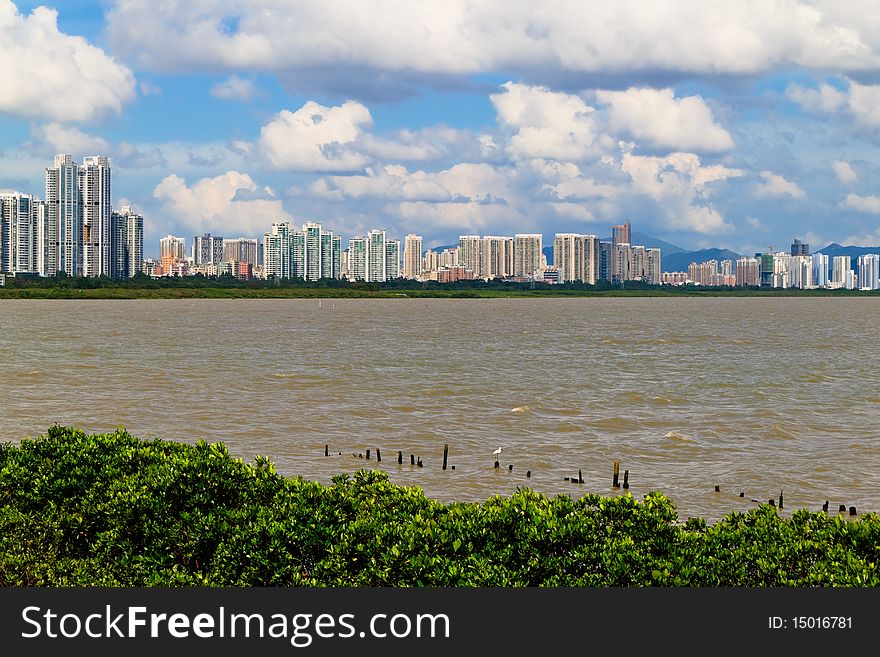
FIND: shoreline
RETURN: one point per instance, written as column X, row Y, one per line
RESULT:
column 110, row 293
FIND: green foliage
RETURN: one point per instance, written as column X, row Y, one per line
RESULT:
column 112, row 510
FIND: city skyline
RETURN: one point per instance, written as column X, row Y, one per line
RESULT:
column 762, row 128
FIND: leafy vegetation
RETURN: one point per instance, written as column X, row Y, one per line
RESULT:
column 228, row 287
column 112, row 510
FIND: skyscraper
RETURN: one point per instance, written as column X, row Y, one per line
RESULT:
column 242, row 249
column 412, row 256
column 748, row 272
column 63, row 228
column 357, row 259
column 470, row 253
column 653, row 267
column 171, row 249
column 392, row 259
column 94, row 188
column 276, row 251
column 21, row 217
column 126, row 248
column 869, row 272
column 496, row 257
column 841, row 265
column 207, row 250
column 376, row 255
column 798, row 248
column 526, row 254
column 820, row 269
column 312, row 252
column 574, row 256
column 620, row 234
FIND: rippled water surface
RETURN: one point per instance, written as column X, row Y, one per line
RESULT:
column 751, row 394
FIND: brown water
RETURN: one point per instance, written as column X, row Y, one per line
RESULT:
column 752, row 394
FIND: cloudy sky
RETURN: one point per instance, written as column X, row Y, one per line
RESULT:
column 735, row 124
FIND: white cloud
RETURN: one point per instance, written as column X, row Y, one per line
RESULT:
column 775, row 186
column 315, row 137
column 129, row 156
column 545, row 124
column 864, row 103
column 679, row 183
column 219, row 205
column 149, row 89
column 47, row 73
column 824, row 100
column 234, row 88
column 864, row 204
column 67, row 139
column 844, row 172
column 459, row 36
column 656, row 116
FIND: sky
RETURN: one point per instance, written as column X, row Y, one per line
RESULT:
column 706, row 124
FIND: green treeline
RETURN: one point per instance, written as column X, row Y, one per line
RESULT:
column 144, row 287
column 112, row 510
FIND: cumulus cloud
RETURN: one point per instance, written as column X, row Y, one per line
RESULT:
column 657, row 117
column 864, row 204
column 67, row 139
column 861, row 102
column 776, row 186
column 438, row 37
column 545, row 124
column 844, row 172
column 47, row 73
column 680, row 185
column 823, row 100
column 219, row 205
column 234, row 88
column 316, row 138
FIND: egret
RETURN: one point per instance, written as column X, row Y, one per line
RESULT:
column 497, row 451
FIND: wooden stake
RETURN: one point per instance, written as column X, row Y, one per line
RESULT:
column 780, row 499
column 412, row 459
column 615, row 482
column 626, row 479
column 445, row 454
column 368, row 455
column 326, row 450
column 378, row 455
column 400, row 457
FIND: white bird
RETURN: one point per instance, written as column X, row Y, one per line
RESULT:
column 497, row 451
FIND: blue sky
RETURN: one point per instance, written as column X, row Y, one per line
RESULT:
column 740, row 125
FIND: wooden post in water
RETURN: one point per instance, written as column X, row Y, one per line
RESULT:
column 825, row 506
column 445, row 454
column 400, row 457
column 841, row 508
column 510, row 467
column 528, row 474
column 497, row 465
column 378, row 455
column 780, row 499
column 326, row 450
column 615, row 483
column 419, row 462
column 412, row 459
column 580, row 477
column 742, row 494
column 771, row 502
column 852, row 510
column 626, row 479
column 717, row 488
column 368, row 455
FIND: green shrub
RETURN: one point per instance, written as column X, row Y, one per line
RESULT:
column 112, row 510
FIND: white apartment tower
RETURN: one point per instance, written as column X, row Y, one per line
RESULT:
column 62, row 235
column 392, row 259
column 840, row 266
column 470, row 253
column 412, row 256
column 526, row 254
column 869, row 272
column 574, row 256
column 376, row 254
column 94, row 189
column 21, row 218
column 126, row 249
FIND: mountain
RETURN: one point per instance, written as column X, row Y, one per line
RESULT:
column 852, row 251
column 640, row 239
column 680, row 261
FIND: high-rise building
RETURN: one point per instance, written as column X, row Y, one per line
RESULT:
column 392, row 259
column 840, row 266
column 653, row 267
column 470, row 253
column 748, row 272
column 620, row 234
column 412, row 256
column 575, row 257
column 376, row 255
column 21, row 218
column 95, row 207
column 798, row 248
column 606, row 260
column 622, row 262
column 496, row 257
column 242, row 249
column 207, row 250
column 171, row 250
column 800, row 268
column 869, row 272
column 62, row 234
column 820, row 269
column 126, row 251
column 526, row 254
column 276, row 251
column 357, row 259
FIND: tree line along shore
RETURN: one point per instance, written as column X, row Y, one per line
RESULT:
column 227, row 287
column 113, row 510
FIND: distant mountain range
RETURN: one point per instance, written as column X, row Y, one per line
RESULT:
column 680, row 261
column 852, row 251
